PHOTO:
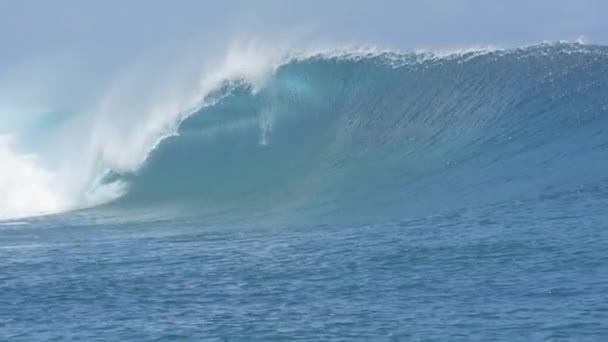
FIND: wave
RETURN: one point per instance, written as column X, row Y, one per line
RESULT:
column 363, row 134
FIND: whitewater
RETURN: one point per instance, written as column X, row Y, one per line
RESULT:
column 314, row 194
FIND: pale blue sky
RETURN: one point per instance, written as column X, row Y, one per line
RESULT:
column 111, row 28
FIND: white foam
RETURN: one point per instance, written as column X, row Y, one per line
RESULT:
column 390, row 56
column 27, row 188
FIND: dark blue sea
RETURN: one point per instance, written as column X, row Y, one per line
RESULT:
column 351, row 196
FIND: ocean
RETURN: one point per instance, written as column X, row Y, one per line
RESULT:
column 337, row 195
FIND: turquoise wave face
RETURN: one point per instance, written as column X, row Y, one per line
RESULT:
column 386, row 136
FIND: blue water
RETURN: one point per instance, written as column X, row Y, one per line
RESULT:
column 387, row 196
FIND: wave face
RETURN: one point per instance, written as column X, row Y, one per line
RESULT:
column 368, row 136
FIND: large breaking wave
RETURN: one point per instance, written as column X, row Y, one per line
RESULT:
column 358, row 134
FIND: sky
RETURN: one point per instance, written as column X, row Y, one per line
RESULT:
column 115, row 29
